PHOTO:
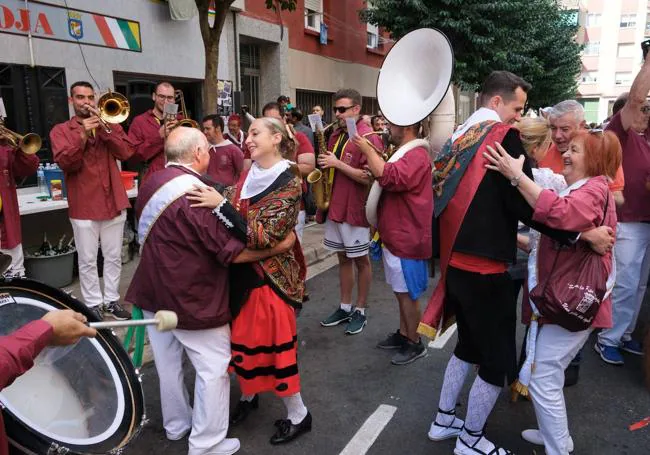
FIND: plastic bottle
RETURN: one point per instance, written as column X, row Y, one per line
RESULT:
column 40, row 176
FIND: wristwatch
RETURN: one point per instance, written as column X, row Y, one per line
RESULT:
column 515, row 181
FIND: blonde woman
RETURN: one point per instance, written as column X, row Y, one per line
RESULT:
column 264, row 336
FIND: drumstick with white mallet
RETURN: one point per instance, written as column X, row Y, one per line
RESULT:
column 163, row 320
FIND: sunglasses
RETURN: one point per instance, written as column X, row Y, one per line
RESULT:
column 341, row 109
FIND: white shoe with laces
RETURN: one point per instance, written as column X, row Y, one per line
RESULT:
column 535, row 437
column 440, row 432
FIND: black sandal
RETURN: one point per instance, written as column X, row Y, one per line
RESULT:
column 480, row 435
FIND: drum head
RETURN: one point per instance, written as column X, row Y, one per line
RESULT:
column 86, row 397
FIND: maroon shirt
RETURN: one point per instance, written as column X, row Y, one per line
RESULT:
column 144, row 131
column 95, row 188
column 184, row 262
column 13, row 163
column 17, row 353
column 226, row 163
column 406, row 205
column 348, row 203
column 636, row 168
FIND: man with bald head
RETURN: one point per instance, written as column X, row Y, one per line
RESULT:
column 184, row 259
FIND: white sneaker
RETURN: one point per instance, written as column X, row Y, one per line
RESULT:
column 226, row 447
column 534, row 437
column 438, row 432
column 481, row 447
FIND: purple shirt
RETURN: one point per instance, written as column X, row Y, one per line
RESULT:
column 184, row 261
column 636, row 168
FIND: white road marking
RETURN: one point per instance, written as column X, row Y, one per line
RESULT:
column 441, row 340
column 370, row 431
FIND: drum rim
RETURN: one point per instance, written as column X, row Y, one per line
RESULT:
column 108, row 341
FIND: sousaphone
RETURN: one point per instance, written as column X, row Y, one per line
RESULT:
column 413, row 83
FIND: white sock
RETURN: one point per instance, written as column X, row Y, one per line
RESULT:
column 346, row 307
column 455, row 376
column 482, row 398
column 296, row 409
column 248, row 398
column 361, row 310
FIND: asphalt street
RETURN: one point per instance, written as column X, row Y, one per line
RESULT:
column 345, row 379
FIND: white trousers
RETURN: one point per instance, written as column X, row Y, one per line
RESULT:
column 300, row 226
column 209, row 352
column 88, row 235
column 556, row 347
column 17, row 267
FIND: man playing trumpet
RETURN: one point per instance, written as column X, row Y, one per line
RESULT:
column 97, row 201
column 13, row 163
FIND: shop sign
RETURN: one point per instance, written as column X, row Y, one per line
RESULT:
column 58, row 23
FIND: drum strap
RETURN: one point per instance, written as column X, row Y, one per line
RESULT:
column 166, row 195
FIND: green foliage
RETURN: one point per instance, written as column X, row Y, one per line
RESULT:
column 531, row 38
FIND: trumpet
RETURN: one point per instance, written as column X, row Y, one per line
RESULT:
column 185, row 121
column 29, row 143
column 112, row 107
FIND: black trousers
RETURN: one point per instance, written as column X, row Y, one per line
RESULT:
column 486, row 317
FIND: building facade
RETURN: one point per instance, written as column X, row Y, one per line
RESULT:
column 612, row 32
column 129, row 45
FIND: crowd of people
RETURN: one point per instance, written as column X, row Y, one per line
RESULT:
column 568, row 226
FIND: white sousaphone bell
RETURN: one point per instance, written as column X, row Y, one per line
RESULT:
column 413, row 84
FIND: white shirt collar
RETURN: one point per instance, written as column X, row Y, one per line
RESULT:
column 222, row 143
column 259, row 179
column 481, row 115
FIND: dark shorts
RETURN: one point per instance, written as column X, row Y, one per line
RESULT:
column 486, row 316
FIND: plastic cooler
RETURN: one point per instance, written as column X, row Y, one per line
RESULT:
column 55, row 271
column 55, row 174
column 128, row 179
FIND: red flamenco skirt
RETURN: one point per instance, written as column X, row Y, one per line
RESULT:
column 264, row 345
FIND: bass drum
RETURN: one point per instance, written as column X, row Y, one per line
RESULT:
column 80, row 399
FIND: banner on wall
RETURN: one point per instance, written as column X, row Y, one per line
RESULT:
column 65, row 24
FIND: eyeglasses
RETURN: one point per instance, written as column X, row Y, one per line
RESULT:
column 171, row 98
column 341, row 109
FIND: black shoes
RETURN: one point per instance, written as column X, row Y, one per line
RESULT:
column 97, row 313
column 242, row 410
column 287, row 431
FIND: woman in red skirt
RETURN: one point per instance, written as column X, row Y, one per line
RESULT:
column 264, row 337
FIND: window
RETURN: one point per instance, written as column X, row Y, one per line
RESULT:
column 35, row 99
column 589, row 77
column 307, row 99
column 592, row 48
column 313, row 14
column 372, row 33
column 627, row 50
column 628, row 20
column 591, row 109
column 593, row 20
column 623, row 78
